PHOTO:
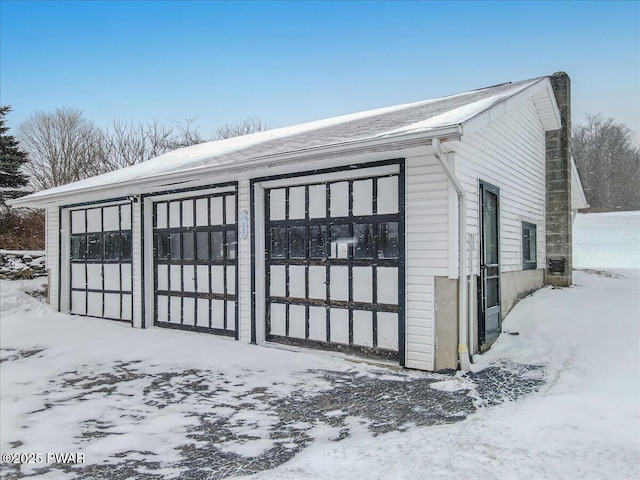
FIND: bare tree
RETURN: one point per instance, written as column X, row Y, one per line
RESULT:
column 237, row 129
column 187, row 133
column 608, row 160
column 63, row 147
column 128, row 143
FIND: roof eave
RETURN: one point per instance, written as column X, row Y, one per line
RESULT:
column 541, row 92
column 146, row 184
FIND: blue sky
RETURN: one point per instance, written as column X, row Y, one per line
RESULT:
column 290, row 62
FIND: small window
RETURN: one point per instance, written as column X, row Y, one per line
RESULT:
column 217, row 245
column 388, row 240
column 188, row 247
column 232, row 245
column 112, row 246
column 202, row 245
column 363, row 236
column 340, row 241
column 296, row 242
column 125, row 253
column 78, row 247
column 529, row 246
column 163, row 246
column 175, row 246
column 317, row 241
column 94, row 246
column 278, row 242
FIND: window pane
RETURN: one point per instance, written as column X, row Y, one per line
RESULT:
column 278, row 242
column 111, row 246
column 388, row 240
column 532, row 245
column 490, row 224
column 202, row 245
column 125, row 238
column 363, row 239
column 296, row 242
column 174, row 246
column 232, row 245
column 317, row 241
column 492, row 292
column 217, row 245
column 188, row 247
column 387, row 200
column 340, row 241
column 94, row 245
column 78, row 247
column 363, row 197
column 277, row 204
column 163, row 246
column 339, row 205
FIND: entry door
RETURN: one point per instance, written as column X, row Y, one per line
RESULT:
column 490, row 317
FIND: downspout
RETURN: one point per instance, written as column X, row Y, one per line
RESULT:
column 463, row 324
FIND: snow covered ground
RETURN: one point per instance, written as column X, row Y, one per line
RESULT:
column 583, row 422
column 607, row 240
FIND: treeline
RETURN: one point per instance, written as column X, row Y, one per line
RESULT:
column 608, row 160
column 63, row 146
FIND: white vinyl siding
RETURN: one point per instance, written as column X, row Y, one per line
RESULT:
column 137, row 261
column 427, row 254
column 509, row 154
column 52, row 250
column 420, row 326
column 244, row 266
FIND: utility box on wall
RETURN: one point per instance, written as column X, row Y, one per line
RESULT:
column 556, row 265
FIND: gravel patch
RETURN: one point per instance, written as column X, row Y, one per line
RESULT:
column 240, row 431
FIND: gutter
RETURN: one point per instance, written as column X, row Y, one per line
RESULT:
column 463, row 321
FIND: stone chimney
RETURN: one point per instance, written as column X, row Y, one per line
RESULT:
column 558, row 180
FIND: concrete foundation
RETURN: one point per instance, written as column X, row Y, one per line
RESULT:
column 514, row 287
column 517, row 285
column 446, row 313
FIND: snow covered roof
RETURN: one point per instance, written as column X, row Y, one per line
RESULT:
column 426, row 119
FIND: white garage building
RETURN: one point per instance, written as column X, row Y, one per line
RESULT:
column 346, row 234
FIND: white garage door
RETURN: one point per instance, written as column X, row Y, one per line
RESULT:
column 333, row 257
column 195, row 263
column 101, row 262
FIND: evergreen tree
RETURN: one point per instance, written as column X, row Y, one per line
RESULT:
column 11, row 159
